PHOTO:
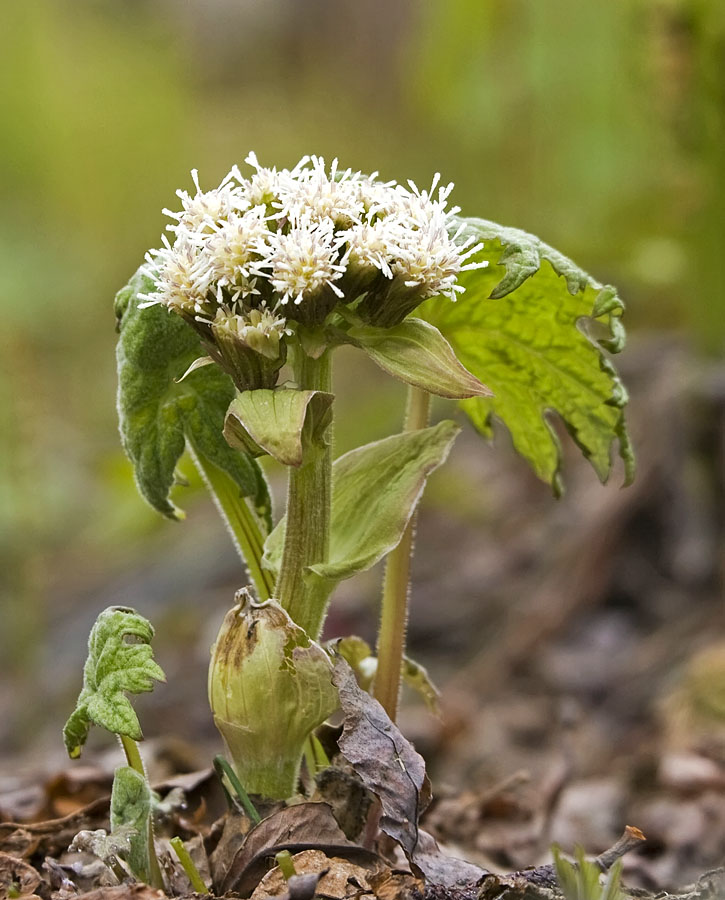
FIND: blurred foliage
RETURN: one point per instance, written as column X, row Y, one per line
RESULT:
column 597, row 126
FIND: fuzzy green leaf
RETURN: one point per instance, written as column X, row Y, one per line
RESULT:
column 418, row 354
column 120, row 659
column 375, row 490
column 533, row 326
column 131, row 804
column 283, row 422
column 158, row 413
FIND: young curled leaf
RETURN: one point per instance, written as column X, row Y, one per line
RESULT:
column 120, row 659
column 529, row 325
column 418, row 354
column 283, row 423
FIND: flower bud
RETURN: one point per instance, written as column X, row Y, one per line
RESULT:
column 269, row 687
column 390, row 301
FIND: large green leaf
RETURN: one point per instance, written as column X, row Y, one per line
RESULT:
column 115, row 665
column 159, row 414
column 534, row 326
column 375, row 490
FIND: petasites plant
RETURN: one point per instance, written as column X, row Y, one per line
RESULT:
column 227, row 338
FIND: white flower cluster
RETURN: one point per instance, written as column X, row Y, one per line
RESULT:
column 279, row 240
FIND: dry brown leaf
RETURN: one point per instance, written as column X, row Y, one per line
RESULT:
column 392, row 885
column 394, row 771
column 124, row 892
column 306, row 826
column 336, row 878
column 17, row 872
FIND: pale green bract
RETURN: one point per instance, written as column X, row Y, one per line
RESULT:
column 283, row 423
column 114, row 665
column 419, row 355
column 375, row 489
column 158, row 413
column 519, row 327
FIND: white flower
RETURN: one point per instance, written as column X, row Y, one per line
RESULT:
column 304, row 260
column 311, row 193
column 206, row 208
column 428, row 257
column 232, row 250
column 379, row 198
column 182, row 277
column 374, row 243
column 259, row 329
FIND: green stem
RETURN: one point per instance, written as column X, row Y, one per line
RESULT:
column 240, row 521
column 223, row 768
column 286, row 864
column 396, row 586
column 192, row 873
column 133, row 757
column 307, row 529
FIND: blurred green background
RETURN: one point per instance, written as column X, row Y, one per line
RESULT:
column 598, row 126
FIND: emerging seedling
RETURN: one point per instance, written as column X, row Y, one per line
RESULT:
column 120, row 659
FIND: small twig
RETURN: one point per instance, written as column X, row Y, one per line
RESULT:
column 631, row 839
column 187, row 863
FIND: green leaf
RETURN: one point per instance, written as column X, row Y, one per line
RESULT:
column 131, row 804
column 534, row 326
column 375, row 490
column 418, row 354
column 283, row 422
column 120, row 659
column 158, row 413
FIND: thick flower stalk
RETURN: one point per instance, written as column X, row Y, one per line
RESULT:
column 269, row 687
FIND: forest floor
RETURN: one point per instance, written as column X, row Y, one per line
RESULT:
column 580, row 651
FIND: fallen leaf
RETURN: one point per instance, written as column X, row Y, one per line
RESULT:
column 21, row 875
column 306, row 826
column 125, row 892
column 393, row 885
column 336, row 878
column 394, row 771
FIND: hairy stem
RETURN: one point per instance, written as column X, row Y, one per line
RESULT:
column 307, row 529
column 241, row 522
column 133, row 757
column 396, row 586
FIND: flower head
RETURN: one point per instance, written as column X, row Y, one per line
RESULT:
column 304, row 240
column 304, row 260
